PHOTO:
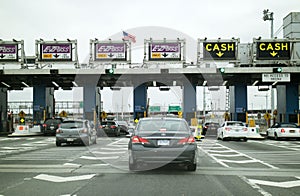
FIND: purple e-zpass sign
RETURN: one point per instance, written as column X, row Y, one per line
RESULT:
column 56, row 52
column 8, row 52
column 164, row 51
column 110, row 51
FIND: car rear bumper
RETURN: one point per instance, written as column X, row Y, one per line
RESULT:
column 235, row 135
column 110, row 131
column 164, row 155
column 72, row 139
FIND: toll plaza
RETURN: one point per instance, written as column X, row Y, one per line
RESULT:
column 264, row 62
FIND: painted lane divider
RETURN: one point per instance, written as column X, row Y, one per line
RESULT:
column 52, row 178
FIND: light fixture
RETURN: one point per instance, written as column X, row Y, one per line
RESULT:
column 224, row 83
column 174, row 83
column 8, row 86
column 75, row 84
column 204, row 83
column 55, row 84
column 154, row 83
column 255, row 82
column 274, row 83
column 25, row 84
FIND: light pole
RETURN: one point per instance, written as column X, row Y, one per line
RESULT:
column 269, row 16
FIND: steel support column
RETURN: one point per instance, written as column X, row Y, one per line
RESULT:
column 3, row 110
column 189, row 102
column 140, row 101
column 43, row 103
column 238, row 102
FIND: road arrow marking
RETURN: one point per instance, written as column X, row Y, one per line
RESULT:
column 51, row 178
column 219, row 54
column 273, row 53
column 287, row 184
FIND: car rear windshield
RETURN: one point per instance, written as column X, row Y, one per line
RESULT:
column 156, row 125
column 289, row 125
column 53, row 121
column 72, row 125
column 109, row 123
column 235, row 124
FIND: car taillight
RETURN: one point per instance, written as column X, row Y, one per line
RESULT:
column 113, row 126
column 58, row 131
column 227, row 128
column 84, row 131
column 44, row 125
column 137, row 140
column 205, row 127
column 282, row 131
column 188, row 140
column 245, row 129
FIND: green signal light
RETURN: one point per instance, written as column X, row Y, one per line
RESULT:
column 222, row 70
column 277, row 70
column 109, row 71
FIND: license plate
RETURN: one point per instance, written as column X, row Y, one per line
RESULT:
column 70, row 139
column 163, row 142
column 292, row 131
column 51, row 127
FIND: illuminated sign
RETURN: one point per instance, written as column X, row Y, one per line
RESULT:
column 111, row 51
column 164, row 52
column 8, row 52
column 219, row 50
column 56, row 52
column 273, row 51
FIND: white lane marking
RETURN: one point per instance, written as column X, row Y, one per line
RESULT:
column 114, row 149
column 9, row 139
column 235, row 161
column 52, row 178
column 286, row 184
column 214, row 158
column 72, row 164
column 227, row 149
column 220, row 151
column 255, row 186
column 286, row 145
column 227, row 155
column 99, row 158
column 96, row 152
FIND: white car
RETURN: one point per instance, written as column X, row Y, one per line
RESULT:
column 284, row 130
column 233, row 130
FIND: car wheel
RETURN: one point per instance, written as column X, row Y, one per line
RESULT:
column 192, row 167
column 58, row 143
column 245, row 139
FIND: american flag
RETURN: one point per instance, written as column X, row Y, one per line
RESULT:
column 128, row 36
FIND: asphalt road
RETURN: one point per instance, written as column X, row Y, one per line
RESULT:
column 35, row 166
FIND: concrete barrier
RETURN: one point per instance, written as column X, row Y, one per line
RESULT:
column 26, row 130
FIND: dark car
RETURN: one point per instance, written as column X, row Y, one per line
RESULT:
column 123, row 126
column 76, row 132
column 162, row 141
column 109, row 128
column 210, row 128
column 51, row 125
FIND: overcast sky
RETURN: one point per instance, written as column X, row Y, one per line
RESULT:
column 84, row 20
